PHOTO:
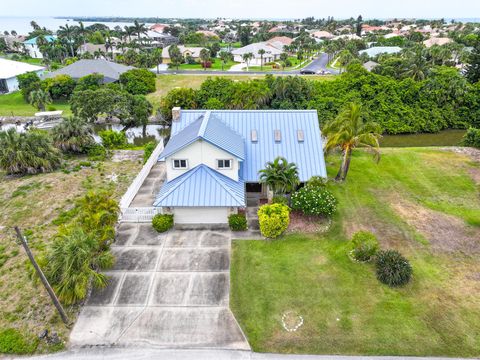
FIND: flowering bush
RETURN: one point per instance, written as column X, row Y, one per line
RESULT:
column 365, row 245
column 314, row 201
column 273, row 219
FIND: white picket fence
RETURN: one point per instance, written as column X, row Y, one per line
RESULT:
column 140, row 214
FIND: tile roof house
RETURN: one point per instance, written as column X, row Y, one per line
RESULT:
column 213, row 158
column 436, row 41
column 192, row 51
column 272, row 52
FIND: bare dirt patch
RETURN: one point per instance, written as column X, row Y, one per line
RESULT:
column 307, row 224
column 444, row 232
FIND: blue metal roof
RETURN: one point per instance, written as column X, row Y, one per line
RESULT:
column 307, row 154
column 33, row 41
column 209, row 128
column 202, row 187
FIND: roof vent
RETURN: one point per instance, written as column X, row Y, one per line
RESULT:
column 277, row 135
column 254, row 136
column 300, row 136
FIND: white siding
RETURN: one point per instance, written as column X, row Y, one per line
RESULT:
column 199, row 215
column 201, row 152
column 12, row 84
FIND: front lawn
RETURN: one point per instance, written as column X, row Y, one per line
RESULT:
column 216, row 65
column 422, row 202
column 13, row 104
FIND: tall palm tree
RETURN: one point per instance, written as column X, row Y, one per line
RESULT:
column 157, row 57
column 225, row 57
column 128, row 31
column 68, row 33
column 247, row 57
column 261, row 52
column 139, row 29
column 204, row 56
column 280, row 176
column 39, row 98
column 82, row 32
column 348, row 131
column 73, row 135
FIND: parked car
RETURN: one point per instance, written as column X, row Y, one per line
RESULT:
column 307, row 71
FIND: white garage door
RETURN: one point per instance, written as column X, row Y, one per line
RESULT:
column 199, row 215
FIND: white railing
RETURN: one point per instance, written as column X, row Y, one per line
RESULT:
column 140, row 214
column 132, row 190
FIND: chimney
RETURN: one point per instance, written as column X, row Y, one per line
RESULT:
column 176, row 113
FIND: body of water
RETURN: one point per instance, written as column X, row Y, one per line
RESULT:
column 443, row 138
column 22, row 24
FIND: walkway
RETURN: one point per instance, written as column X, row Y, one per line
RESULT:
column 150, row 187
column 166, row 290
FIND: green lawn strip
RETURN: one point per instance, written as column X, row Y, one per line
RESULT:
column 345, row 309
column 13, row 104
column 216, row 65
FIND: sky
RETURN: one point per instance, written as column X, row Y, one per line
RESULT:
column 270, row 9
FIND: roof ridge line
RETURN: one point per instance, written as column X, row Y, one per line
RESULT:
column 203, row 126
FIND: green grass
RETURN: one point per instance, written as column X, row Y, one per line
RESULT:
column 217, row 65
column 345, row 309
column 13, row 104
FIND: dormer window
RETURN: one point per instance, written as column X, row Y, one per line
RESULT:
column 277, row 134
column 224, row 164
column 180, row 163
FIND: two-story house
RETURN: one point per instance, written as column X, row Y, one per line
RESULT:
column 214, row 157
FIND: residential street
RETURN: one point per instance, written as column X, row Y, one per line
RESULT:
column 192, row 354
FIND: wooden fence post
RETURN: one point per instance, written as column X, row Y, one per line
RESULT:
column 44, row 280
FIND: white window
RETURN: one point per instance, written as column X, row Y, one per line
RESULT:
column 224, row 164
column 180, row 163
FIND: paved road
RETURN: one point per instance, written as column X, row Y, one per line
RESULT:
column 166, row 290
column 175, row 354
column 319, row 63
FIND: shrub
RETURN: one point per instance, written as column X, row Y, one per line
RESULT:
column 147, row 150
column 113, row 139
column 97, row 152
column 73, row 135
column 392, row 268
column 317, row 182
column 472, row 138
column 365, row 245
column 30, row 152
column 13, row 341
column 237, row 222
column 162, row 222
column 138, row 81
column 314, row 201
column 61, row 86
column 280, row 200
column 274, row 220
column 27, row 83
column 89, row 82
column 51, row 108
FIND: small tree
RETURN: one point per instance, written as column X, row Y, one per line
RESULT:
column 204, row 57
column 247, row 57
column 138, row 81
column 348, row 131
column 73, row 135
column 40, row 99
column 176, row 57
column 225, row 57
column 280, row 176
column 261, row 52
column 284, row 59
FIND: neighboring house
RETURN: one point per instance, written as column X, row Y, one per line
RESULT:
column 32, row 47
column 9, row 70
column 161, row 39
column 272, row 53
column 214, row 157
column 159, row 27
column 110, row 70
column 370, row 65
column 437, row 41
column 280, row 41
column 14, row 43
column 348, row 37
column 189, row 51
column 207, row 33
column 322, row 35
column 377, row 50
column 92, row 48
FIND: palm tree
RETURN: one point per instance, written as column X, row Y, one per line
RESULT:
column 247, row 57
column 157, row 57
column 39, row 98
column 73, row 135
column 128, row 31
column 30, row 152
column 225, row 57
column 348, row 131
column 68, row 32
column 73, row 263
column 82, row 32
column 261, row 52
column 139, row 29
column 280, row 176
column 204, row 56
column 284, row 59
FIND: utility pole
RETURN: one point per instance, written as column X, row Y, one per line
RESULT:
column 44, row 280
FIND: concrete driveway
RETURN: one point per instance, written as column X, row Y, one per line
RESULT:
column 166, row 290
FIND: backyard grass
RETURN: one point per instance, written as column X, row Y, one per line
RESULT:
column 13, row 104
column 424, row 203
column 38, row 205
